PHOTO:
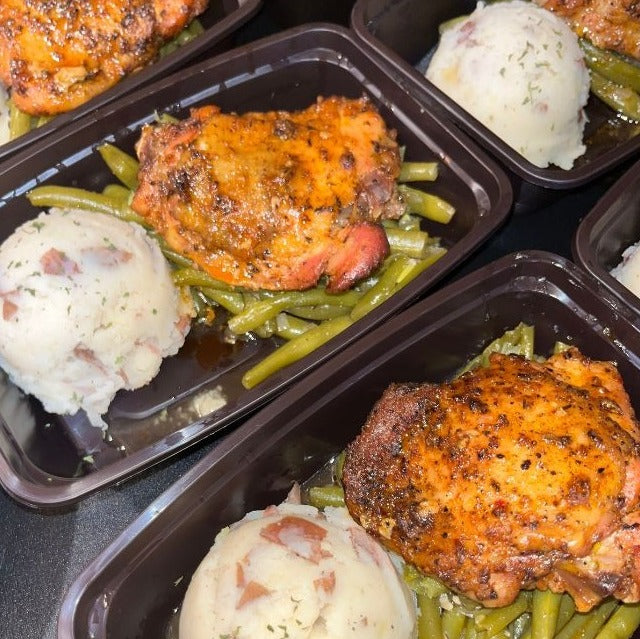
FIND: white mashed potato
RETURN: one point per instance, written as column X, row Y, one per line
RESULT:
column 519, row 70
column 628, row 271
column 4, row 115
column 88, row 308
column 291, row 571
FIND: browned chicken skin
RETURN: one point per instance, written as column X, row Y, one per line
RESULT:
column 609, row 24
column 518, row 475
column 57, row 54
column 274, row 200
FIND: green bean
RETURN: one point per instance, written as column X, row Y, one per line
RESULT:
column 186, row 35
column 43, row 119
column 190, row 276
column 586, row 625
column 495, row 620
column 611, row 66
column 544, row 614
column 433, row 254
column 427, row 205
column 386, row 286
column 399, row 273
column 19, row 121
column 418, row 172
column 229, row 300
column 121, row 164
column 517, row 341
column 294, row 350
column 560, row 347
column 196, row 27
column 423, row 584
column 319, row 312
column 323, row 496
column 596, row 619
column 202, row 306
column 178, row 259
column 267, row 329
column 566, row 611
column 69, row 197
column 620, row 98
column 622, row 622
column 429, row 620
column 453, row 621
column 289, row 326
column 409, row 222
column 572, row 627
column 338, row 466
column 259, row 312
column 117, row 192
column 411, row 243
column 166, row 118
column 168, row 48
column 73, row 198
column 189, row 33
column 521, row 626
column 471, row 630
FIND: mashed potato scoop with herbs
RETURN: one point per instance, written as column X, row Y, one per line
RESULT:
column 519, row 70
column 627, row 272
column 88, row 308
column 292, row 571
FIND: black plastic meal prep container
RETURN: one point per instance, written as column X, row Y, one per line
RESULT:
column 134, row 586
column 612, row 226
column 219, row 21
column 49, row 460
column 404, row 33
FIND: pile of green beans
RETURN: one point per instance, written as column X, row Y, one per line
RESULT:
column 535, row 614
column 303, row 319
column 615, row 79
column 21, row 122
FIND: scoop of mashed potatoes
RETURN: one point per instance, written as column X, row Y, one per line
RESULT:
column 291, row 571
column 88, row 308
column 627, row 272
column 519, row 70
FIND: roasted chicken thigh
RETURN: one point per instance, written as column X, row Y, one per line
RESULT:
column 517, row 475
column 274, row 200
column 609, row 24
column 57, row 54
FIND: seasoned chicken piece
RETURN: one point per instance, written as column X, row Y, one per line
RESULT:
column 274, row 200
column 57, row 54
column 518, row 475
column 609, row 24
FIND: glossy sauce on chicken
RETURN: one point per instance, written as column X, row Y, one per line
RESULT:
column 274, row 200
column 57, row 54
column 517, row 475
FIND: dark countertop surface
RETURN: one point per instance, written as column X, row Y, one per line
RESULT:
column 43, row 553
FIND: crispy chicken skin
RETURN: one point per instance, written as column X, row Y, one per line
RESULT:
column 518, row 475
column 609, row 24
column 57, row 54
column 274, row 200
